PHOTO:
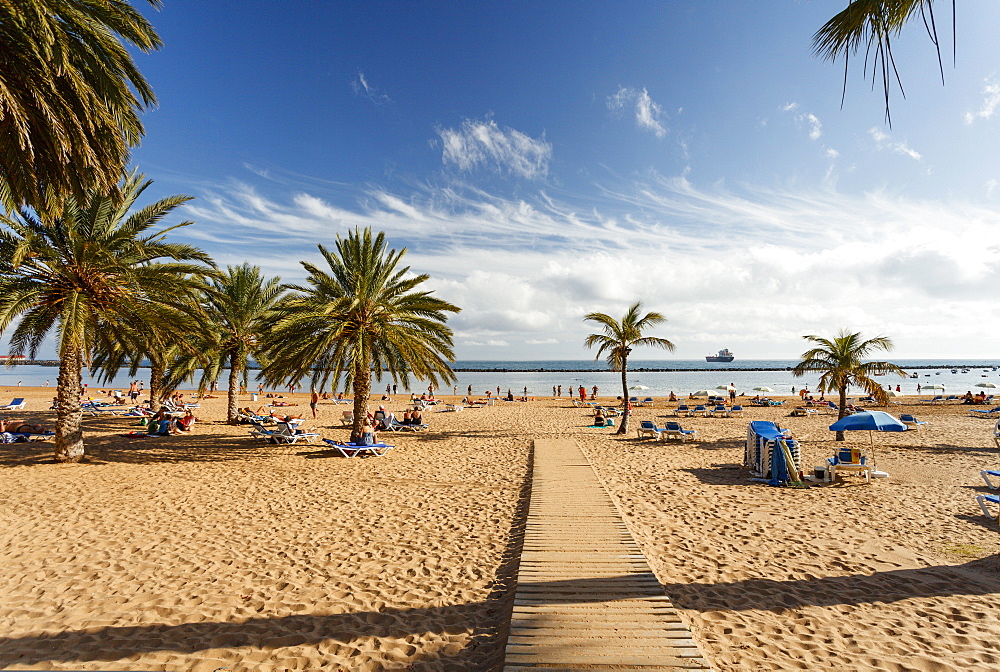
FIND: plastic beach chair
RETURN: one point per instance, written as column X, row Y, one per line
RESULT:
column 359, row 450
column 911, row 421
column 648, row 428
column 293, row 434
column 673, row 430
column 992, row 499
column 14, row 405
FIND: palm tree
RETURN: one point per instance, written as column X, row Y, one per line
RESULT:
column 874, row 24
column 240, row 306
column 71, row 97
column 93, row 269
column 840, row 363
column 618, row 340
column 362, row 315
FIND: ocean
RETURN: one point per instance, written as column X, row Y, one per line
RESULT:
column 648, row 377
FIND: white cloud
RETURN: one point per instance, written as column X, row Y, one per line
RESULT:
column 362, row 88
column 991, row 100
column 832, row 153
column 884, row 141
column 808, row 119
column 484, row 143
column 526, row 270
column 647, row 112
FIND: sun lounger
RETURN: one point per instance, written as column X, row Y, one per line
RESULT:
column 647, row 429
column 992, row 499
column 359, row 450
column 911, row 421
column 848, row 460
column 648, row 401
column 395, row 426
column 673, row 430
column 699, row 410
column 14, row 405
column 736, row 410
column 347, row 418
column 719, row 411
column 342, row 401
column 285, row 434
column 682, row 410
column 986, row 473
column 293, row 434
column 980, row 413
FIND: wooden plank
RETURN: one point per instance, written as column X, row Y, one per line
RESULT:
column 586, row 597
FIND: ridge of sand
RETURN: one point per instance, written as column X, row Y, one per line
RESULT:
column 210, row 550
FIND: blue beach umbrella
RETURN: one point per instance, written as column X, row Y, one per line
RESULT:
column 873, row 421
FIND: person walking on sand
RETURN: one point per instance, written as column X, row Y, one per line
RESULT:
column 583, row 393
column 593, row 393
column 470, row 391
column 314, row 401
column 560, row 391
column 918, row 388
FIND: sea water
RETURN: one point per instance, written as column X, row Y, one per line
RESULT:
column 654, row 378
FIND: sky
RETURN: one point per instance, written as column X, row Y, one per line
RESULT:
column 544, row 160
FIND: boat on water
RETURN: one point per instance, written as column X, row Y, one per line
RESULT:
column 723, row 356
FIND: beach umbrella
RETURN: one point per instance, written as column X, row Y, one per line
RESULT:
column 877, row 421
column 638, row 387
column 703, row 393
column 932, row 387
column 765, row 388
column 893, row 393
column 873, row 421
column 985, row 385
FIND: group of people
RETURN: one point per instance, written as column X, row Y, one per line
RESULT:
column 970, row 398
column 163, row 423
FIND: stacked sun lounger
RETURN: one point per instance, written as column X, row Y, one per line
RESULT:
column 765, row 453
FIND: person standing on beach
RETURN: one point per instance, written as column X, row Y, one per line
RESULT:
column 470, row 391
column 394, row 388
column 583, row 393
column 133, row 391
column 525, row 392
column 918, row 388
column 553, row 390
column 558, row 395
column 593, row 393
column 314, row 401
column 732, row 393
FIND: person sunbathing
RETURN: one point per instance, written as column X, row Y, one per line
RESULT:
column 18, row 427
column 282, row 403
column 285, row 418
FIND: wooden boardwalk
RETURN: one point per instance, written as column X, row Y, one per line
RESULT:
column 586, row 599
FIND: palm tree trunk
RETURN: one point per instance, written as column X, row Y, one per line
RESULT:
column 69, row 417
column 362, row 388
column 628, row 407
column 157, row 371
column 843, row 410
column 234, row 388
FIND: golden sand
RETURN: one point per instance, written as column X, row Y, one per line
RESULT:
column 216, row 551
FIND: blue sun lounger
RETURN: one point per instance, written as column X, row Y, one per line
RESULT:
column 992, row 499
column 358, row 450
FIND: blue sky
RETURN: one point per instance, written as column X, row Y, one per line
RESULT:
column 544, row 160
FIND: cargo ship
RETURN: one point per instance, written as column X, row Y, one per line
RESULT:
column 723, row 356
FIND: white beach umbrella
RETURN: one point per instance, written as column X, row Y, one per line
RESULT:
column 764, row 388
column 985, row 385
column 893, row 393
column 703, row 393
column 638, row 387
column 932, row 387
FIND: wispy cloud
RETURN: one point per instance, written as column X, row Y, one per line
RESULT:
column 991, row 101
column 553, row 260
column 885, row 141
column 647, row 112
column 809, row 120
column 363, row 88
column 486, row 144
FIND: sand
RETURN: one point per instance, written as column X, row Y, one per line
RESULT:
column 215, row 551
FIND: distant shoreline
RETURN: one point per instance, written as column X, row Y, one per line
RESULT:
column 54, row 362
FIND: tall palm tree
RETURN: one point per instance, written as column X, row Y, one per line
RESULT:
column 94, row 268
column 841, row 363
column 70, row 97
column 874, row 24
column 361, row 316
column 618, row 340
column 240, row 307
